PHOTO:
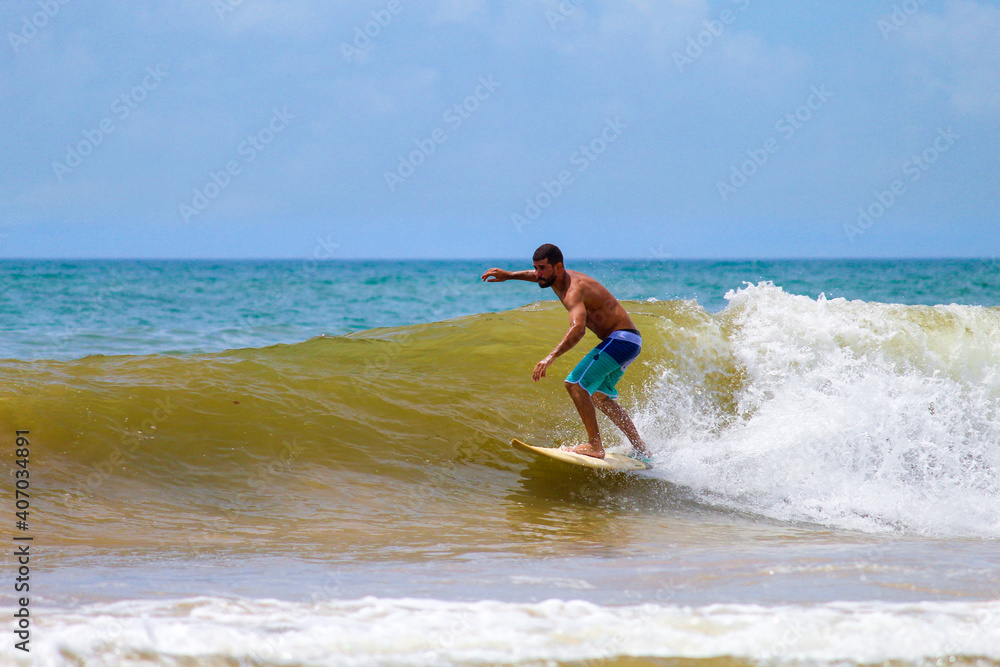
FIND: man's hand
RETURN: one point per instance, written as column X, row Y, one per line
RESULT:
column 541, row 367
column 496, row 276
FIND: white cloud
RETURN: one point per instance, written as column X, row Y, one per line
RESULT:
column 665, row 22
column 675, row 35
column 609, row 25
column 957, row 53
column 270, row 15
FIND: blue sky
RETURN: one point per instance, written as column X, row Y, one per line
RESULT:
column 470, row 128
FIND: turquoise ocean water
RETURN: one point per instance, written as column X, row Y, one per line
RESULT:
column 67, row 309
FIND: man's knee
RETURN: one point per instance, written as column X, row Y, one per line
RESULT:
column 602, row 398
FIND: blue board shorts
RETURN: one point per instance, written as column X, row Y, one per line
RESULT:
column 603, row 366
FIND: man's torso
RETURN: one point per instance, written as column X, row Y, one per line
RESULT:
column 604, row 314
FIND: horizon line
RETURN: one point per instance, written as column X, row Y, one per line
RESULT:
column 492, row 259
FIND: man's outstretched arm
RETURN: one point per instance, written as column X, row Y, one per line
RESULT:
column 499, row 276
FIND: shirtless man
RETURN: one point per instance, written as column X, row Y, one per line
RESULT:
column 591, row 306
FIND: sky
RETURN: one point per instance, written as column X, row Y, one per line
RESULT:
column 481, row 129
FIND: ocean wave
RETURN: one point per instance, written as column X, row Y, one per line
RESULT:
column 858, row 415
column 851, row 414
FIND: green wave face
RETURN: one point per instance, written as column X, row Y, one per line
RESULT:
column 379, row 423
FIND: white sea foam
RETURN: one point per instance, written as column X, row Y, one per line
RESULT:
column 373, row 631
column 857, row 415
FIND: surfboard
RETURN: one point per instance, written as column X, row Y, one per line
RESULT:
column 618, row 462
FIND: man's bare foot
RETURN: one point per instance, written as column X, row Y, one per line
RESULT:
column 586, row 449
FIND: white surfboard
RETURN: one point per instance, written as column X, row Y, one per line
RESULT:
column 618, row 462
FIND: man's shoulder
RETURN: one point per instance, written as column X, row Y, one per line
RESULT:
column 587, row 284
column 581, row 279
column 575, row 290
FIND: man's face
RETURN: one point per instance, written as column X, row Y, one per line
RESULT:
column 545, row 272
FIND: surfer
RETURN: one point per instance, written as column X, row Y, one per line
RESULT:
column 592, row 382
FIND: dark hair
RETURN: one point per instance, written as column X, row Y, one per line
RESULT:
column 549, row 252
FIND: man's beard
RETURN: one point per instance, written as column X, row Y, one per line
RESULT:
column 549, row 283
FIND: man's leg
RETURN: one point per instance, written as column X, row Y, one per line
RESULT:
column 585, row 406
column 617, row 414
